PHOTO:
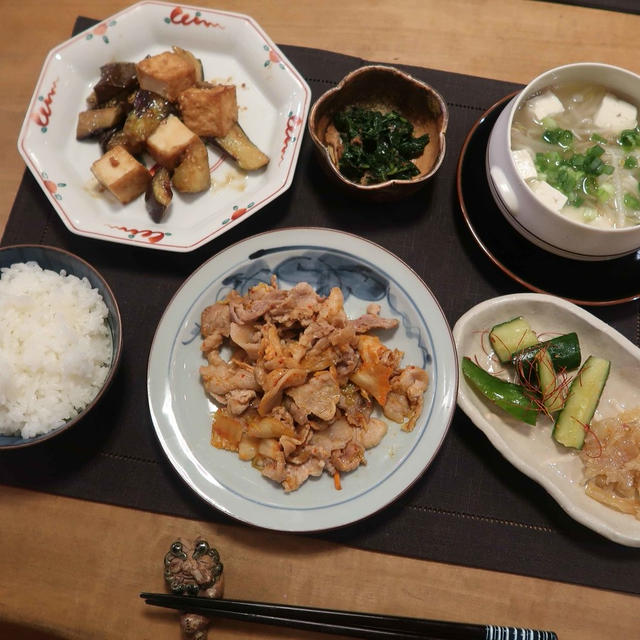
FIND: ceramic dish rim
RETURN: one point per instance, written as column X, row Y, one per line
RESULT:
column 446, row 408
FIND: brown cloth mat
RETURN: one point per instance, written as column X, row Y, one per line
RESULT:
column 471, row 507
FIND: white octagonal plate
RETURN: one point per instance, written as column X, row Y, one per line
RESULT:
column 273, row 101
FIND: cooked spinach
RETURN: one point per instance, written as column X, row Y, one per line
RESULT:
column 377, row 146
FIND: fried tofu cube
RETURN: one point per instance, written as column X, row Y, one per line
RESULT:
column 166, row 73
column 209, row 111
column 169, row 141
column 122, row 174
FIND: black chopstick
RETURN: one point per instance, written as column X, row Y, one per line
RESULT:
column 363, row 625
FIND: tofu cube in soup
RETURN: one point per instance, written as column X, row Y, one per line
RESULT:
column 615, row 115
column 552, row 198
column 122, row 174
column 544, row 105
column 167, row 74
column 209, row 111
column 524, row 163
column 169, row 141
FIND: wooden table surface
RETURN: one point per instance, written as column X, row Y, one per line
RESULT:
column 73, row 569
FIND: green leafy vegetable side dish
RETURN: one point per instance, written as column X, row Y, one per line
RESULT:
column 377, row 146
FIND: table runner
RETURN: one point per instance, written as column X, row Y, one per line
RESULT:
column 623, row 6
column 471, row 507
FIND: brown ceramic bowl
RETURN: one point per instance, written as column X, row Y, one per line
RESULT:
column 385, row 89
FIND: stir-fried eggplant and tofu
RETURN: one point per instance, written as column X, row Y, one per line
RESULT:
column 162, row 107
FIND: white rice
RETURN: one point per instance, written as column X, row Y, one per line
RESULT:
column 55, row 348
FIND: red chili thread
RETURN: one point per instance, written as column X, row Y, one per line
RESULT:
column 483, row 334
column 588, row 429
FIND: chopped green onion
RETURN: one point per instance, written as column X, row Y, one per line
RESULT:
column 605, row 191
column 589, row 214
column 575, row 175
column 595, row 137
column 629, row 139
column 630, row 162
column 631, row 202
column 590, row 185
column 561, row 137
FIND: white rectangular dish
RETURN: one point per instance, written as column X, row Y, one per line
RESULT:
column 531, row 448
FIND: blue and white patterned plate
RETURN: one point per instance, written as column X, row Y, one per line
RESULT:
column 366, row 273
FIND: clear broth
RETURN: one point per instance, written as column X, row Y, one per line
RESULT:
column 581, row 103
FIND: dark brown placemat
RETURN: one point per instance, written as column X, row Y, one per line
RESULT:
column 471, row 507
column 623, row 6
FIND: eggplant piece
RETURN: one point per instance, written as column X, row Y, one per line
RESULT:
column 115, row 78
column 192, row 175
column 92, row 101
column 237, row 144
column 124, row 100
column 196, row 62
column 104, row 138
column 159, row 194
column 149, row 110
column 116, row 137
column 95, row 121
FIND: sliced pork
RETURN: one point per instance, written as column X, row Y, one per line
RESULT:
column 297, row 395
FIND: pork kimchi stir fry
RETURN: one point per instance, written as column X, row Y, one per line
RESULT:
column 298, row 393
